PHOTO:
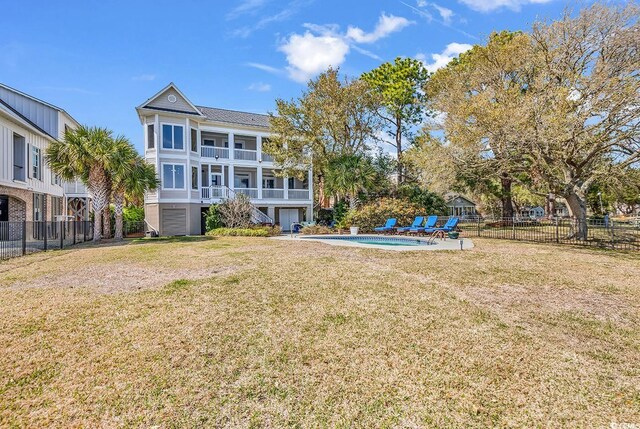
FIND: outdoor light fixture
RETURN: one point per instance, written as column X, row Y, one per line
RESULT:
column 216, row 157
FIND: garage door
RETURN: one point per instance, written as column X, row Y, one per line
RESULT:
column 174, row 222
column 287, row 217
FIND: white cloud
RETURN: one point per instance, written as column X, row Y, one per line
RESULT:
column 491, row 5
column 445, row 14
column 308, row 54
column 245, row 7
column 441, row 60
column 386, row 25
column 259, row 87
column 322, row 46
column 145, row 77
column 264, row 67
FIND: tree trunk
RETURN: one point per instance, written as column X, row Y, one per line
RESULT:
column 99, row 195
column 507, row 201
column 399, row 149
column 577, row 205
column 106, row 221
column 352, row 202
column 118, row 202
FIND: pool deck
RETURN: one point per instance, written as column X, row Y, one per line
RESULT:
column 447, row 244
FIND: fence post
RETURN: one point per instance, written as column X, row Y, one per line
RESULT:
column 24, row 237
column 513, row 228
column 478, row 226
column 613, row 235
column 44, row 223
column 61, row 234
column 557, row 231
column 74, row 231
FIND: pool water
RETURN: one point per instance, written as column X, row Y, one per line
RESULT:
column 378, row 241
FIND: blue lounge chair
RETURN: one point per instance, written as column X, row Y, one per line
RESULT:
column 431, row 223
column 391, row 223
column 417, row 223
column 451, row 225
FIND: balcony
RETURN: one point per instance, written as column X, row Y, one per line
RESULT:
column 250, row 192
column 75, row 188
column 213, row 152
column 273, row 194
column 245, row 154
column 266, row 158
column 214, row 192
column 298, row 194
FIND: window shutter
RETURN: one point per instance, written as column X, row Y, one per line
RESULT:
column 29, row 161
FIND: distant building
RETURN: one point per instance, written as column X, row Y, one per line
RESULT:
column 460, row 206
column 532, row 212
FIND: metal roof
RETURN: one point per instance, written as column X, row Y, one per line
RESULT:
column 235, row 117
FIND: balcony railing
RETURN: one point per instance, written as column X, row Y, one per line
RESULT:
column 250, row 192
column 298, row 194
column 245, row 155
column 212, row 152
column 214, row 192
column 75, row 188
column 266, row 158
column 271, row 193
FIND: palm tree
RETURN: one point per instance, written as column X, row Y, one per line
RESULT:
column 132, row 178
column 347, row 175
column 86, row 153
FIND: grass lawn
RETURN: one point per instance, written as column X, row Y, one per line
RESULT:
column 252, row 332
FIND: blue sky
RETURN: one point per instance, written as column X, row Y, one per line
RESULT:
column 98, row 60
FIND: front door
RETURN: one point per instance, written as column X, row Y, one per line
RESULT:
column 4, row 209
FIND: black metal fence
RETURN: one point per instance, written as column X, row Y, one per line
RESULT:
column 22, row 238
column 601, row 233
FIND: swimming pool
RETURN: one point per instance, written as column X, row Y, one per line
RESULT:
column 373, row 240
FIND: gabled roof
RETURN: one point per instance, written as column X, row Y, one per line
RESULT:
column 37, row 100
column 10, row 111
column 171, row 86
column 186, row 107
column 235, row 117
column 451, row 197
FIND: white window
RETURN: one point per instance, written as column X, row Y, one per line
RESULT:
column 194, row 178
column 173, row 176
column 268, row 183
column 241, row 181
column 172, row 137
column 36, row 163
column 18, row 157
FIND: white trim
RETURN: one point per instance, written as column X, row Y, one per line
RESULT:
column 184, row 142
column 162, row 164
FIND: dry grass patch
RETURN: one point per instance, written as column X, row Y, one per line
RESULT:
column 250, row 332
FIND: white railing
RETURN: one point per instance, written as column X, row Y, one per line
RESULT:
column 215, row 192
column 245, row 155
column 250, row 192
column 259, row 217
column 212, row 152
column 76, row 187
column 298, row 194
column 271, row 193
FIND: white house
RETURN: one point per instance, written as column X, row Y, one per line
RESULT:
column 204, row 155
column 28, row 189
column 460, row 206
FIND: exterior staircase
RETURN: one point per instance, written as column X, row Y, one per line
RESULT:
column 224, row 193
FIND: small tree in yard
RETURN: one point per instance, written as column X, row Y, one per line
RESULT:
column 236, row 212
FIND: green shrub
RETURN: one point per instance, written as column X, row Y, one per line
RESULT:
column 430, row 202
column 316, row 230
column 258, row 231
column 376, row 213
column 133, row 214
column 212, row 218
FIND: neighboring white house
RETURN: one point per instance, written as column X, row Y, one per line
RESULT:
column 28, row 189
column 204, row 155
column 532, row 212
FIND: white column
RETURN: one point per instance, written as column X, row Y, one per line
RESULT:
column 187, row 173
column 259, row 180
column 271, row 212
column 209, row 176
column 231, row 151
column 231, row 177
column 310, row 181
column 310, row 213
column 259, row 148
column 285, row 183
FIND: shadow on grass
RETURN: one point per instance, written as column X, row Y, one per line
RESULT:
column 169, row 240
